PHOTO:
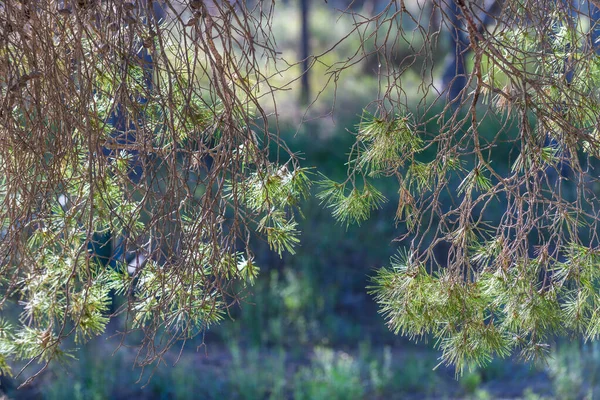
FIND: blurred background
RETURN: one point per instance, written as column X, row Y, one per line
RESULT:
column 308, row 329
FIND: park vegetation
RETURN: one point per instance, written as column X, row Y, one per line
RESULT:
column 141, row 158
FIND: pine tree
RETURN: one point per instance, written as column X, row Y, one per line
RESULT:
column 145, row 121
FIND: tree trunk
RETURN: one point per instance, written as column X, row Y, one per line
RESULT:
column 304, row 51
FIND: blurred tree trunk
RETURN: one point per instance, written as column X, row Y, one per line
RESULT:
column 433, row 10
column 304, row 51
column 109, row 247
column 454, row 77
column 369, row 7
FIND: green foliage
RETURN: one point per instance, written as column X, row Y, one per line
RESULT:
column 252, row 378
column 497, row 312
column 567, row 373
column 167, row 159
column 381, row 373
column 486, row 295
column 471, row 382
column 354, row 206
column 271, row 194
column 417, row 303
column 386, row 143
column 180, row 161
column 332, row 376
column 475, row 179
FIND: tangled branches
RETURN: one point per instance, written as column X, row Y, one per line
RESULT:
column 483, row 282
column 143, row 121
column 135, row 125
